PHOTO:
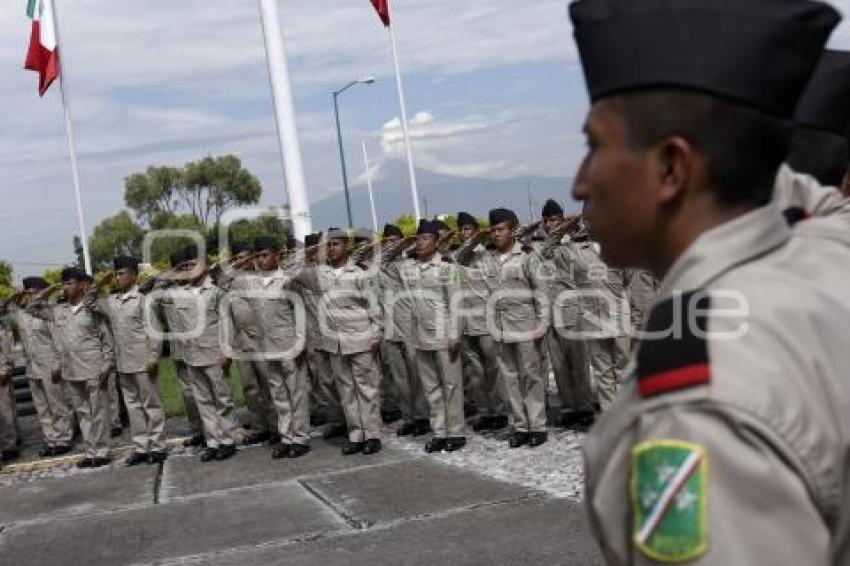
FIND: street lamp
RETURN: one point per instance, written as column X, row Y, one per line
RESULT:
column 336, row 93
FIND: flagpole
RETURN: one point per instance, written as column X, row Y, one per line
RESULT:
column 72, row 145
column 411, row 168
column 287, row 130
column 369, row 185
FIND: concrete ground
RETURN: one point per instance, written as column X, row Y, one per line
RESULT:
column 398, row 507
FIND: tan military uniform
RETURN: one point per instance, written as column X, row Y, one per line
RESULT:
column 794, row 189
column 397, row 347
column 432, row 285
column 8, row 415
column 197, row 308
column 49, row 398
column 350, row 324
column 86, row 356
column 480, row 362
column 748, row 464
column 135, row 350
column 519, row 307
column 176, row 326
column 568, row 351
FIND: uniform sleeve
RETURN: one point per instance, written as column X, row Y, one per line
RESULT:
column 455, row 274
column 107, row 343
column 153, row 332
column 540, row 285
column 745, row 500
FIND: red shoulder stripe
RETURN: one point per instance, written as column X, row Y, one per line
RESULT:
column 681, row 378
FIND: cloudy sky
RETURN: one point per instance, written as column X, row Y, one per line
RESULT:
column 494, row 91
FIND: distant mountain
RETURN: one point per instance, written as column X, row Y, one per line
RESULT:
column 441, row 194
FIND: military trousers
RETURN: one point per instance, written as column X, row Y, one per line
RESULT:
column 147, row 418
column 215, row 404
column 358, row 381
column 290, row 392
column 442, row 381
column 8, row 419
column 481, row 368
column 571, row 367
column 189, row 404
column 90, row 402
column 608, row 359
column 54, row 414
column 402, row 364
column 521, row 366
column 258, row 396
column 322, row 385
column 114, row 401
column 390, row 395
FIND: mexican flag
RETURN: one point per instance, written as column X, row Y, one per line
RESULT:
column 383, row 9
column 43, row 56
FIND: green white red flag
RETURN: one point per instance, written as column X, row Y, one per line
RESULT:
column 43, row 54
column 383, row 9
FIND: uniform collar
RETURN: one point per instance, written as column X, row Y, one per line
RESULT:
column 724, row 247
column 437, row 258
column 132, row 293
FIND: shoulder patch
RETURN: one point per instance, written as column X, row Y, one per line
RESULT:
column 668, row 491
column 674, row 354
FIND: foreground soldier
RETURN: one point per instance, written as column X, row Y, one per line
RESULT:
column 48, row 396
column 137, row 361
column 433, row 283
column 350, row 323
column 87, row 356
column 728, row 446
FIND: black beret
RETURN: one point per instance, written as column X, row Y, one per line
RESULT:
column 190, row 252
column 75, row 274
column 126, row 262
column 238, row 247
column 552, row 208
column 392, row 230
column 337, row 234
column 441, row 225
column 262, row 243
column 312, row 239
column 177, row 258
column 427, row 227
column 826, row 101
column 362, row 235
column 466, row 219
column 499, row 215
column 36, row 283
column 758, row 53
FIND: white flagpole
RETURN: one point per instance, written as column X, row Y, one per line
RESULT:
column 369, row 185
column 411, row 168
column 72, row 145
column 287, row 130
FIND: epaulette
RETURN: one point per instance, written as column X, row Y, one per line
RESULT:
column 795, row 214
column 673, row 354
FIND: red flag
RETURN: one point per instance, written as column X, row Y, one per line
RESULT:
column 383, row 9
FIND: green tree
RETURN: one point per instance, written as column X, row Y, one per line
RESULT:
column 153, row 192
column 6, row 272
column 117, row 235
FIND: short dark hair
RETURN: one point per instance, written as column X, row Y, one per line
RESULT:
column 744, row 147
column 819, row 153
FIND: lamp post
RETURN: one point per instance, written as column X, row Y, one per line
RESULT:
column 336, row 93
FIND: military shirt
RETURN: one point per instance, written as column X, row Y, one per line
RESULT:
column 39, row 342
column 135, row 347
column 196, row 314
column 730, row 440
column 432, row 285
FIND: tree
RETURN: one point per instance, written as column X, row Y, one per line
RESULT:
column 6, row 272
column 204, row 189
column 117, row 235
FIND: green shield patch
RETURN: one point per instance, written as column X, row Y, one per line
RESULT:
column 668, row 496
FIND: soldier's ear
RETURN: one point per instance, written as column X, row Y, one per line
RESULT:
column 675, row 164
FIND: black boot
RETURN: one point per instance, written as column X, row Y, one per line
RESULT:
column 421, row 426
column 577, row 419
column 209, row 455
column 455, row 443
column 436, row 445
column 537, row 438
column 86, row 463
column 518, row 439
column 407, row 429
column 372, row 446
column 351, row 448
column 334, row 431
column 61, row 449
column 11, row 455
column 194, row 440
column 135, row 459
column 281, row 451
column 499, row 422
column 390, row 416
column 98, row 462
column 298, row 450
column 225, row 452
column 483, row 424
column 256, row 438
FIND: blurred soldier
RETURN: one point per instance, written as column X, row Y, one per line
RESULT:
column 48, row 396
column 208, row 367
column 738, row 402
column 323, row 388
column 177, row 326
column 137, row 360
column 8, row 419
column 568, row 349
column 641, row 288
column 350, row 322
column 245, row 334
column 87, row 356
column 520, row 318
column 397, row 347
column 433, row 283
column 480, row 361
